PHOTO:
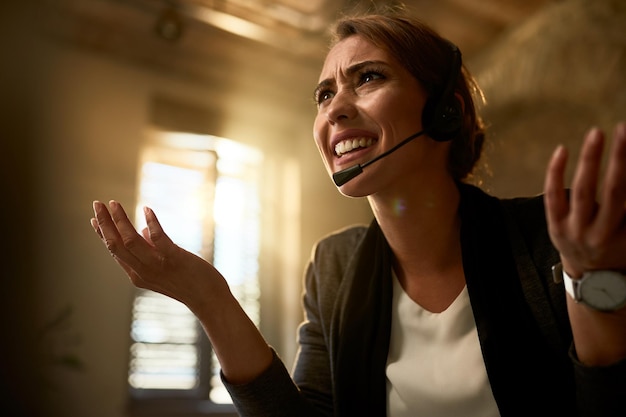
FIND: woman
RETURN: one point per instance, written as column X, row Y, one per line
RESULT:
column 445, row 304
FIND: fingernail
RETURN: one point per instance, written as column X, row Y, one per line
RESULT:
column 594, row 130
column 559, row 151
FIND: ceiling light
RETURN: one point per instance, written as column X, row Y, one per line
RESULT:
column 169, row 25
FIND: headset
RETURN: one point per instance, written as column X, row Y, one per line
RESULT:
column 442, row 118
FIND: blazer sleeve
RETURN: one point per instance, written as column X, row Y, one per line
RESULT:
column 271, row 394
column 309, row 393
column 275, row 393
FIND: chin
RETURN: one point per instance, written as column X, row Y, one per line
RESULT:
column 353, row 189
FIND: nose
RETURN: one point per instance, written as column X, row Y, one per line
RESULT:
column 341, row 107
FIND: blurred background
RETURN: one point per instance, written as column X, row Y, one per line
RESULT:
column 203, row 110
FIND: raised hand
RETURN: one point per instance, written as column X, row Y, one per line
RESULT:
column 153, row 261
column 589, row 228
column 589, row 231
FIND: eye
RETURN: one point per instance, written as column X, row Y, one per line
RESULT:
column 323, row 95
column 369, row 76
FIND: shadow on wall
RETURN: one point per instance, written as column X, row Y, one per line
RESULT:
column 546, row 83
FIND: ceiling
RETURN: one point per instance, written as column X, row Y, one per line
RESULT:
column 270, row 51
column 295, row 26
column 471, row 23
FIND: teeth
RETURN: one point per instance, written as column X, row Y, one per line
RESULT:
column 350, row 144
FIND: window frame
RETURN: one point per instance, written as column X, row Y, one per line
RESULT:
column 195, row 401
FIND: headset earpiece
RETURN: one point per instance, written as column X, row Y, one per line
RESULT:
column 443, row 117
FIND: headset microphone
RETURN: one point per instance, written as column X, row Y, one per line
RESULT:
column 345, row 175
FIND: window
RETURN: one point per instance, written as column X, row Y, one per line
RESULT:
column 205, row 191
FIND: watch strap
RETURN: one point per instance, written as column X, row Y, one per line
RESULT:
column 559, row 275
column 570, row 284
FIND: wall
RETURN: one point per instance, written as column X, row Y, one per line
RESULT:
column 81, row 125
column 547, row 81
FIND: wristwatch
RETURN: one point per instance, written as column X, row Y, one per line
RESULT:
column 601, row 290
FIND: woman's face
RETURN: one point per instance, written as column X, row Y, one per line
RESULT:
column 367, row 103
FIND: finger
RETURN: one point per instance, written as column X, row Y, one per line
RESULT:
column 584, row 185
column 128, row 248
column 156, row 234
column 104, row 223
column 96, row 228
column 110, row 235
column 131, row 242
column 613, row 195
column 146, row 235
column 555, row 198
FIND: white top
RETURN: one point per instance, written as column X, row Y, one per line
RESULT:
column 435, row 367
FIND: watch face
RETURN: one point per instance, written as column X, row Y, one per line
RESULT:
column 604, row 290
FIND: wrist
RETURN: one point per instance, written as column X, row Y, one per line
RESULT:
column 571, row 270
column 600, row 290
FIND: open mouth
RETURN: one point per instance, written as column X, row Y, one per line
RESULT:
column 349, row 145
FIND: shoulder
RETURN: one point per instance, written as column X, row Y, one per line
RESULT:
column 527, row 211
column 524, row 218
column 527, row 216
column 333, row 258
column 527, row 225
column 526, row 207
column 340, row 242
column 334, row 254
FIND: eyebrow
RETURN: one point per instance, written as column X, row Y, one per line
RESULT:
column 352, row 69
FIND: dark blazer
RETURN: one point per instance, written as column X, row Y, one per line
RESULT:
column 520, row 314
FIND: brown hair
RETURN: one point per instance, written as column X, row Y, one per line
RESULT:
column 427, row 56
